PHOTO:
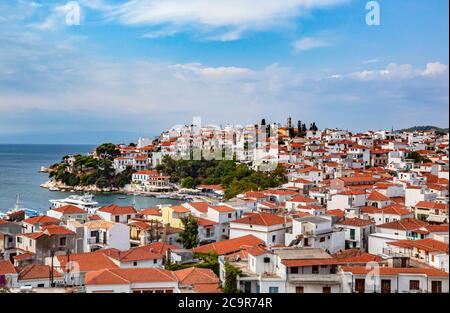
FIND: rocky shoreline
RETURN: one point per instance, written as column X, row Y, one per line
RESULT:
column 54, row 185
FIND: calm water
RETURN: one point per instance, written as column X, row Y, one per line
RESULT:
column 19, row 175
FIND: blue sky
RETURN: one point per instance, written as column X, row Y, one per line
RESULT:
column 139, row 67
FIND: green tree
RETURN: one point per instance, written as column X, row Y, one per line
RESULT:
column 187, row 182
column 108, row 150
column 231, row 275
column 189, row 236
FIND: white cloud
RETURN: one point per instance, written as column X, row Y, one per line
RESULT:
column 309, row 43
column 230, row 18
column 435, row 69
column 370, row 61
column 400, row 72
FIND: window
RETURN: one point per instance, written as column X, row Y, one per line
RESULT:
column 352, row 234
column 41, row 285
column 414, row 285
column 294, row 270
column 134, row 263
column 117, row 218
column 274, row 237
column 229, row 215
column 155, row 261
column 360, row 285
column 299, row 289
column 273, row 289
column 266, row 260
column 326, row 289
column 62, row 241
column 436, row 286
column 315, row 269
column 322, row 239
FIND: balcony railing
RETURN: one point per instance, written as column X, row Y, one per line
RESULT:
column 94, row 240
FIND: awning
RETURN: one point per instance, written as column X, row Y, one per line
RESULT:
column 437, row 219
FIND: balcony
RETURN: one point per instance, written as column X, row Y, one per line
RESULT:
column 318, row 279
column 95, row 240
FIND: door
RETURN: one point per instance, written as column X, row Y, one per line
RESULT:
column 385, row 286
column 326, row 289
column 299, row 289
column 360, row 285
column 436, row 287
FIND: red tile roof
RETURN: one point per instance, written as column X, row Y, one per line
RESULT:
column 199, row 206
column 405, row 224
column 390, row 271
column 67, row 209
column 42, row 219
column 222, row 208
column 427, row 244
column 6, row 267
column 262, row 219
column 302, row 199
column 125, row 276
column 432, row 205
column 90, row 261
column 36, row 271
column 356, row 222
column 231, row 245
column 117, row 210
column 376, row 196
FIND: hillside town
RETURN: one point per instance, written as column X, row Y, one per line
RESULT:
column 304, row 211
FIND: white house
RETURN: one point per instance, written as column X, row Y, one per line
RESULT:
column 131, row 280
column 268, row 227
column 356, row 232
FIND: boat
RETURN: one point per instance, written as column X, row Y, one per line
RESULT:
column 17, row 208
column 84, row 202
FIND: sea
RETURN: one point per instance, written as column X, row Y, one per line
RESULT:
column 20, row 177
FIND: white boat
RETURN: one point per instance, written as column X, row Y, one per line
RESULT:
column 84, row 202
column 28, row 212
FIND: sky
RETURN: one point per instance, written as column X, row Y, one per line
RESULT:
column 125, row 69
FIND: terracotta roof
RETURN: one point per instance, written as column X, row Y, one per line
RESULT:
column 231, row 245
column 161, row 247
column 90, row 261
column 336, row 212
column 443, row 228
column 205, row 222
column 357, row 222
column 200, row 206
column 35, row 271
column 56, row 230
column 257, row 251
column 179, row 209
column 427, row 244
column 194, row 275
column 262, row 219
column 390, row 271
column 100, row 224
column 376, row 196
column 396, row 209
column 302, row 199
column 432, row 205
column 67, row 209
column 405, row 224
column 42, row 219
column 23, row 256
column 139, row 254
column 6, row 267
column 352, row 192
column 370, row 210
column 116, row 210
column 150, row 211
column 222, row 208
column 355, row 256
column 125, row 276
